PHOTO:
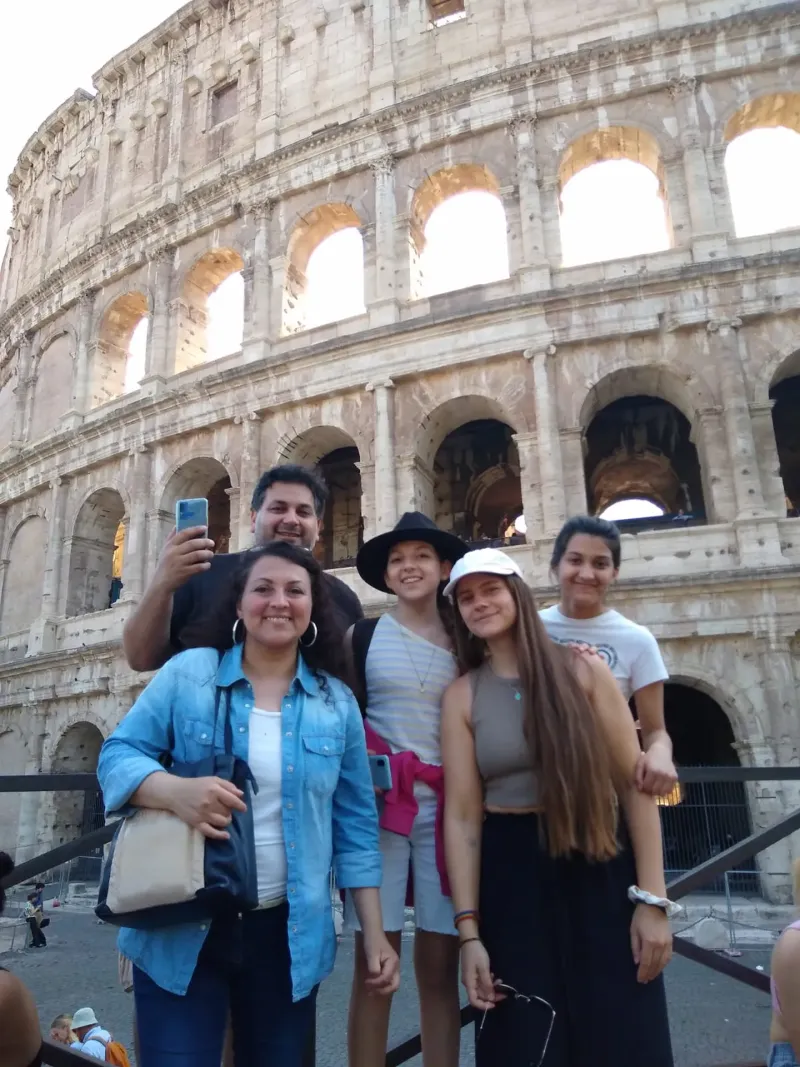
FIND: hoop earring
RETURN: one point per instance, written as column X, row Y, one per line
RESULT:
column 235, row 630
column 308, row 644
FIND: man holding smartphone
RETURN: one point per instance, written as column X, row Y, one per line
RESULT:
column 288, row 504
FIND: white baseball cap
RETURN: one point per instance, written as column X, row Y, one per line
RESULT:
column 482, row 561
column 84, row 1017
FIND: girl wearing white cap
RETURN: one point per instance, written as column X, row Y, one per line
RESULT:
column 554, row 854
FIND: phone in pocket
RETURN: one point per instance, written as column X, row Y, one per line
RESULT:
column 190, row 513
column 381, row 772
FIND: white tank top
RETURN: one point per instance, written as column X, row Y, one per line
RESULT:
column 264, row 757
column 406, row 679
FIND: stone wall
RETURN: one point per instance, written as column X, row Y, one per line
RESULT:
column 236, row 139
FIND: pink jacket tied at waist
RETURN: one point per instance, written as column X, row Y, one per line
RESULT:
column 400, row 806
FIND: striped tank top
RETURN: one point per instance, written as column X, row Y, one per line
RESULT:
column 406, row 679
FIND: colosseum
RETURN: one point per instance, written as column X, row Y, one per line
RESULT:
column 240, row 143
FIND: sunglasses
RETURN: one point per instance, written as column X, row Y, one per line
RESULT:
column 515, row 994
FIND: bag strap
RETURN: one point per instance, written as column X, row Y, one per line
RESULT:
column 228, row 728
column 363, row 632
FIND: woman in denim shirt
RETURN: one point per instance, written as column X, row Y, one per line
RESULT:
column 300, row 729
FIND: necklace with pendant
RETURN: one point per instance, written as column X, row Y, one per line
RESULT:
column 407, row 645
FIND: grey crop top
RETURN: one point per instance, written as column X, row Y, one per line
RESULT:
column 501, row 749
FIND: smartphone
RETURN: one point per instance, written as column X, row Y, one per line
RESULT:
column 190, row 513
column 381, row 772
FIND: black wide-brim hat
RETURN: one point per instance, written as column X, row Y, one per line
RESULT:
column 373, row 555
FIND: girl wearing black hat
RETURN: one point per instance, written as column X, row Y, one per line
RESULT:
column 404, row 663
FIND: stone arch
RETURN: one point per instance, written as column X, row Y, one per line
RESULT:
column 450, row 414
column 95, row 553
column 9, row 378
column 314, row 228
column 76, row 813
column 201, row 476
column 206, row 275
column 766, row 132
column 53, row 379
column 652, row 229
column 337, row 458
column 429, row 196
column 784, row 395
column 22, row 592
column 705, row 817
column 111, row 355
column 638, row 433
column 677, row 384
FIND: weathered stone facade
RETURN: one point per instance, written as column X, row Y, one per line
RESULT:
column 239, row 135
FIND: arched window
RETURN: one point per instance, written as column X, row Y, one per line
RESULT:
column 226, row 317
column 137, row 354
column 119, row 358
column 458, row 231
column 633, row 507
column 211, row 310
column 762, row 167
column 612, row 197
column 325, row 269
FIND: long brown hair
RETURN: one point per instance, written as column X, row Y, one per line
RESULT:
column 575, row 772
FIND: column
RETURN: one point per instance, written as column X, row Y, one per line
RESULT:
column 677, row 199
column 550, row 187
column 533, row 265
column 768, row 458
column 366, row 472
column 159, row 360
column 415, row 484
column 381, row 75
column 134, row 558
column 706, row 241
column 708, row 436
column 43, row 635
column 258, row 288
column 572, row 462
column 382, row 299
column 24, row 387
column 270, row 101
column 530, row 484
column 738, row 428
column 80, row 380
column 29, row 825
column 385, row 474
column 766, row 808
column 3, row 557
column 517, row 33
column 249, row 473
column 234, row 496
column 550, row 464
column 158, row 525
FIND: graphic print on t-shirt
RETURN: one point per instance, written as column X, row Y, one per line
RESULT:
column 606, row 652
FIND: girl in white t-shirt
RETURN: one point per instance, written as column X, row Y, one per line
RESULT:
column 586, row 559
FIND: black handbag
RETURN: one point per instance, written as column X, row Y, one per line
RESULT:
column 227, row 883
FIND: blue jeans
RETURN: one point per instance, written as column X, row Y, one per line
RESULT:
column 244, row 967
column 781, row 1055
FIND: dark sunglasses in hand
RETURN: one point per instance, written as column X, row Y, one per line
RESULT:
column 515, row 994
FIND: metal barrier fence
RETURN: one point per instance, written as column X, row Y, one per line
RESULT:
column 735, row 857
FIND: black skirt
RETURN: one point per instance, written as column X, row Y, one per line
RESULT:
column 560, row 929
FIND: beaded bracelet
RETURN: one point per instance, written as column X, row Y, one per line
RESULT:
column 462, row 916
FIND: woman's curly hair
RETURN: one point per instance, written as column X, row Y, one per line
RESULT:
column 215, row 628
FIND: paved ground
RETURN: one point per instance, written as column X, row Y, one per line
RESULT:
column 714, row 1020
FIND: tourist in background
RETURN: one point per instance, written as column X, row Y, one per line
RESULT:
column 554, row 854
column 20, row 1037
column 272, row 645
column 784, row 1031
column 287, row 505
column 403, row 663
column 586, row 561
column 61, row 1030
column 91, row 1038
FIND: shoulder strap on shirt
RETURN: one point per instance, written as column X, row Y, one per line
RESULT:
column 363, row 632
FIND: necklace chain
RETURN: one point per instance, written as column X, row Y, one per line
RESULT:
column 412, row 661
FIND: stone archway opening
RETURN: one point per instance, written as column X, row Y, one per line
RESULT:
column 477, row 488
column 211, row 309
column 78, row 813
column 701, row 819
column 612, row 197
column 785, row 396
column 640, row 448
column 324, row 279
column 22, row 592
column 95, row 554
column 119, row 355
column 762, row 164
column 458, row 231
column 201, row 477
column 336, row 457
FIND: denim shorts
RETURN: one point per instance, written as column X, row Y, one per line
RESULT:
column 781, row 1055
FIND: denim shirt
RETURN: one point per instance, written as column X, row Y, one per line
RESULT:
column 329, row 811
